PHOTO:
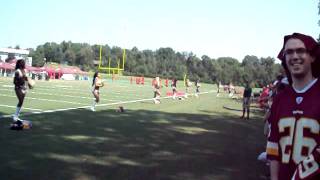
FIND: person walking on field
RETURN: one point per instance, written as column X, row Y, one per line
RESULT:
column 197, row 85
column 156, row 89
column 20, row 81
column 174, row 88
column 246, row 101
column 96, row 84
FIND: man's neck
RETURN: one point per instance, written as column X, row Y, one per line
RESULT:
column 300, row 83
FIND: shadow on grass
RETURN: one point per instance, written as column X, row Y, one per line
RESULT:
column 1, row 114
column 136, row 144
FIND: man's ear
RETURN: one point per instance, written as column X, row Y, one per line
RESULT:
column 313, row 58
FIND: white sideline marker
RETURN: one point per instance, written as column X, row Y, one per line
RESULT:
column 100, row 105
column 8, row 106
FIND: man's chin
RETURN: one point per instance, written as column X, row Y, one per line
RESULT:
column 297, row 75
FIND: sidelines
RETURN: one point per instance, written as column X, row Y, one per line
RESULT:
column 148, row 99
column 50, row 94
column 72, row 91
column 100, row 105
column 32, row 109
column 52, row 100
column 57, row 95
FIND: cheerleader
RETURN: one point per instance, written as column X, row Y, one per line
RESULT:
column 188, row 84
column 174, row 88
column 20, row 82
column 156, row 90
column 96, row 84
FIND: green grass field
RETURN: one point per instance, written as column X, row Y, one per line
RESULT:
column 188, row 139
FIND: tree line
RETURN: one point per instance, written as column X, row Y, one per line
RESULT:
column 163, row 62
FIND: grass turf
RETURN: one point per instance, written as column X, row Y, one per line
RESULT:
column 188, row 139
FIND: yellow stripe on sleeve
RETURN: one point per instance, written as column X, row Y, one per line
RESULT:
column 273, row 152
column 272, row 148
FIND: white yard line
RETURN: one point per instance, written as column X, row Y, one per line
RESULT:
column 50, row 94
column 51, row 100
column 36, row 111
column 63, row 86
column 8, row 106
column 72, row 96
column 91, row 98
column 148, row 99
column 70, row 91
column 100, row 105
column 10, row 86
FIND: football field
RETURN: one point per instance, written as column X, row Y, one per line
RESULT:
column 189, row 139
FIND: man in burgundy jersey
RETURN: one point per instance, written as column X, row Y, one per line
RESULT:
column 293, row 142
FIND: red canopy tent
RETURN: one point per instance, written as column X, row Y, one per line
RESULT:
column 33, row 69
column 4, row 65
column 72, row 70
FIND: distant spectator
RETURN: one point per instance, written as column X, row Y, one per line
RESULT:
column 246, row 101
column 197, row 85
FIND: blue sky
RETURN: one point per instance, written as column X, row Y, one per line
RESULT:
column 216, row 28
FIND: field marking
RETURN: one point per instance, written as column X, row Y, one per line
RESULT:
column 50, row 94
column 63, row 86
column 52, row 100
column 32, row 109
column 148, row 99
column 77, row 92
column 66, row 87
column 100, row 105
column 10, row 86
column 102, row 96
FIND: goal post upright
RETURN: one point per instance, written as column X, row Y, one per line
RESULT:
column 108, row 68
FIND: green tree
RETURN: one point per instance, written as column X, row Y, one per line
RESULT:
column 37, row 57
column 163, row 62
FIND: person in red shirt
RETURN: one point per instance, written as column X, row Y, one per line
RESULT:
column 263, row 99
column 166, row 83
column 293, row 142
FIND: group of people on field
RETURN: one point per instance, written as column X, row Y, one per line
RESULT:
column 156, row 84
column 293, row 118
column 21, row 82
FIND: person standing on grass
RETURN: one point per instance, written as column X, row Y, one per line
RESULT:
column 187, row 85
column 96, row 84
column 219, row 85
column 293, row 146
column 20, row 82
column 156, row 89
column 246, row 101
column 198, row 85
column 174, row 88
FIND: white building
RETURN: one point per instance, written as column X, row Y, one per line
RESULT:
column 17, row 53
